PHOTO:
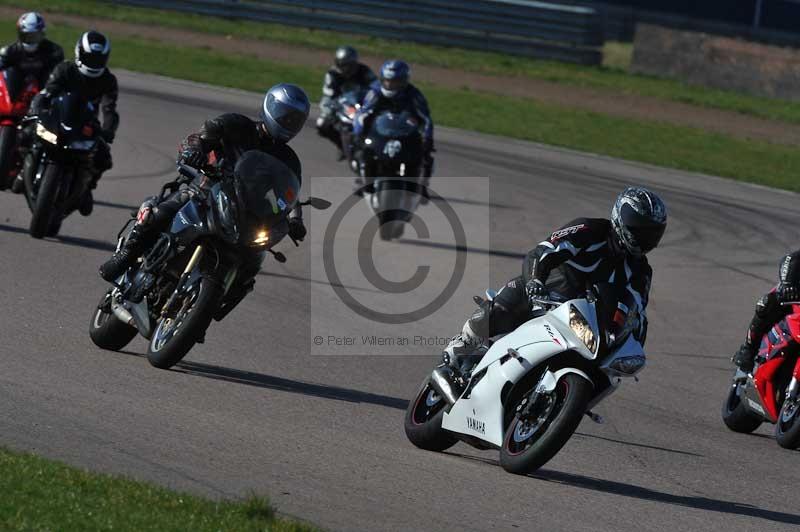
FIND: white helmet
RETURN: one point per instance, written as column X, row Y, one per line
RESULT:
column 30, row 29
column 91, row 53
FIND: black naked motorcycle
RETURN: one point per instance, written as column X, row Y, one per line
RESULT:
column 391, row 159
column 54, row 174
column 191, row 274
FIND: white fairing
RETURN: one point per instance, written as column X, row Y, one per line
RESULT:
column 480, row 413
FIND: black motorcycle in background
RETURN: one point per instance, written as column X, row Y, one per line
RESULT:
column 54, row 174
column 187, row 277
column 391, row 158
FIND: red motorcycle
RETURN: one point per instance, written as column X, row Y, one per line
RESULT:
column 772, row 392
column 16, row 93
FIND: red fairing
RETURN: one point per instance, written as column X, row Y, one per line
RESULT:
column 12, row 110
column 765, row 384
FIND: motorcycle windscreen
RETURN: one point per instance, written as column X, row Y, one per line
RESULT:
column 266, row 191
column 393, row 125
column 14, row 81
column 68, row 115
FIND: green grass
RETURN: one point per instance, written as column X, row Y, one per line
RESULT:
column 612, row 77
column 650, row 142
column 39, row 494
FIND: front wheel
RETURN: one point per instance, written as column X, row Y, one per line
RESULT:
column 177, row 333
column 535, row 437
column 787, row 429
column 106, row 330
column 8, row 143
column 736, row 415
column 423, row 421
column 44, row 206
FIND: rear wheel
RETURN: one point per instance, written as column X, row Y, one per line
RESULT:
column 736, row 415
column 106, row 330
column 787, row 429
column 177, row 333
column 423, row 421
column 8, row 143
column 535, row 437
column 44, row 206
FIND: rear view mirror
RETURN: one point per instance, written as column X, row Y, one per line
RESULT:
column 317, row 203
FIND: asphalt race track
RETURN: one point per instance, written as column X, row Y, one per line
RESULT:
column 258, row 408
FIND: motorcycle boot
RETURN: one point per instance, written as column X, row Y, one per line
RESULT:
column 745, row 357
column 136, row 244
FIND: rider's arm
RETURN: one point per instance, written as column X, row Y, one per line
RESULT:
column 638, row 290
column 108, row 104
column 54, row 58
column 423, row 112
column 367, row 76
column 371, row 101
column 7, row 57
column 330, row 90
column 56, row 84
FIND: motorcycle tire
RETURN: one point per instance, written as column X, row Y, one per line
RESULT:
column 43, row 209
column 787, row 429
column 569, row 401
column 736, row 416
column 108, row 332
column 8, row 143
column 423, row 421
column 173, row 338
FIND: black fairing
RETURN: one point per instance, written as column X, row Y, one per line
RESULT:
column 265, row 192
column 394, row 138
column 71, row 118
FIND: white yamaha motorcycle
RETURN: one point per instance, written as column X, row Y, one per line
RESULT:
column 532, row 387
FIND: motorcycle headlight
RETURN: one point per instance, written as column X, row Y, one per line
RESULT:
column 46, row 134
column 628, row 365
column 580, row 326
column 262, row 237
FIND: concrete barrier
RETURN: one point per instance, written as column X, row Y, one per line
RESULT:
column 720, row 62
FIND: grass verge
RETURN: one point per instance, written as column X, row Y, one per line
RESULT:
column 655, row 143
column 610, row 77
column 40, row 494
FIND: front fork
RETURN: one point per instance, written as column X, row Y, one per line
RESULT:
column 190, row 266
column 793, row 390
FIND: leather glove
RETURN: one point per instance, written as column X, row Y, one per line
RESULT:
column 536, row 289
column 192, row 157
column 297, row 231
column 788, row 292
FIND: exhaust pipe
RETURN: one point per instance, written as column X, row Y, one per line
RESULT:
column 444, row 383
column 122, row 314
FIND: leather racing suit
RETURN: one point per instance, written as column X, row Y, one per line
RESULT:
column 336, row 84
column 38, row 63
column 583, row 252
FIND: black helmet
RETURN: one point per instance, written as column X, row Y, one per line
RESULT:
column 91, row 53
column 285, row 111
column 30, row 29
column 394, row 77
column 639, row 218
column 347, row 60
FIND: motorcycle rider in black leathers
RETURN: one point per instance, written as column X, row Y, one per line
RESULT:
column 395, row 93
column 770, row 309
column 32, row 53
column 346, row 74
column 89, row 77
column 583, row 252
column 223, row 140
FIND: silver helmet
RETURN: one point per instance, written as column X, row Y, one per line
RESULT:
column 285, row 111
column 30, row 30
